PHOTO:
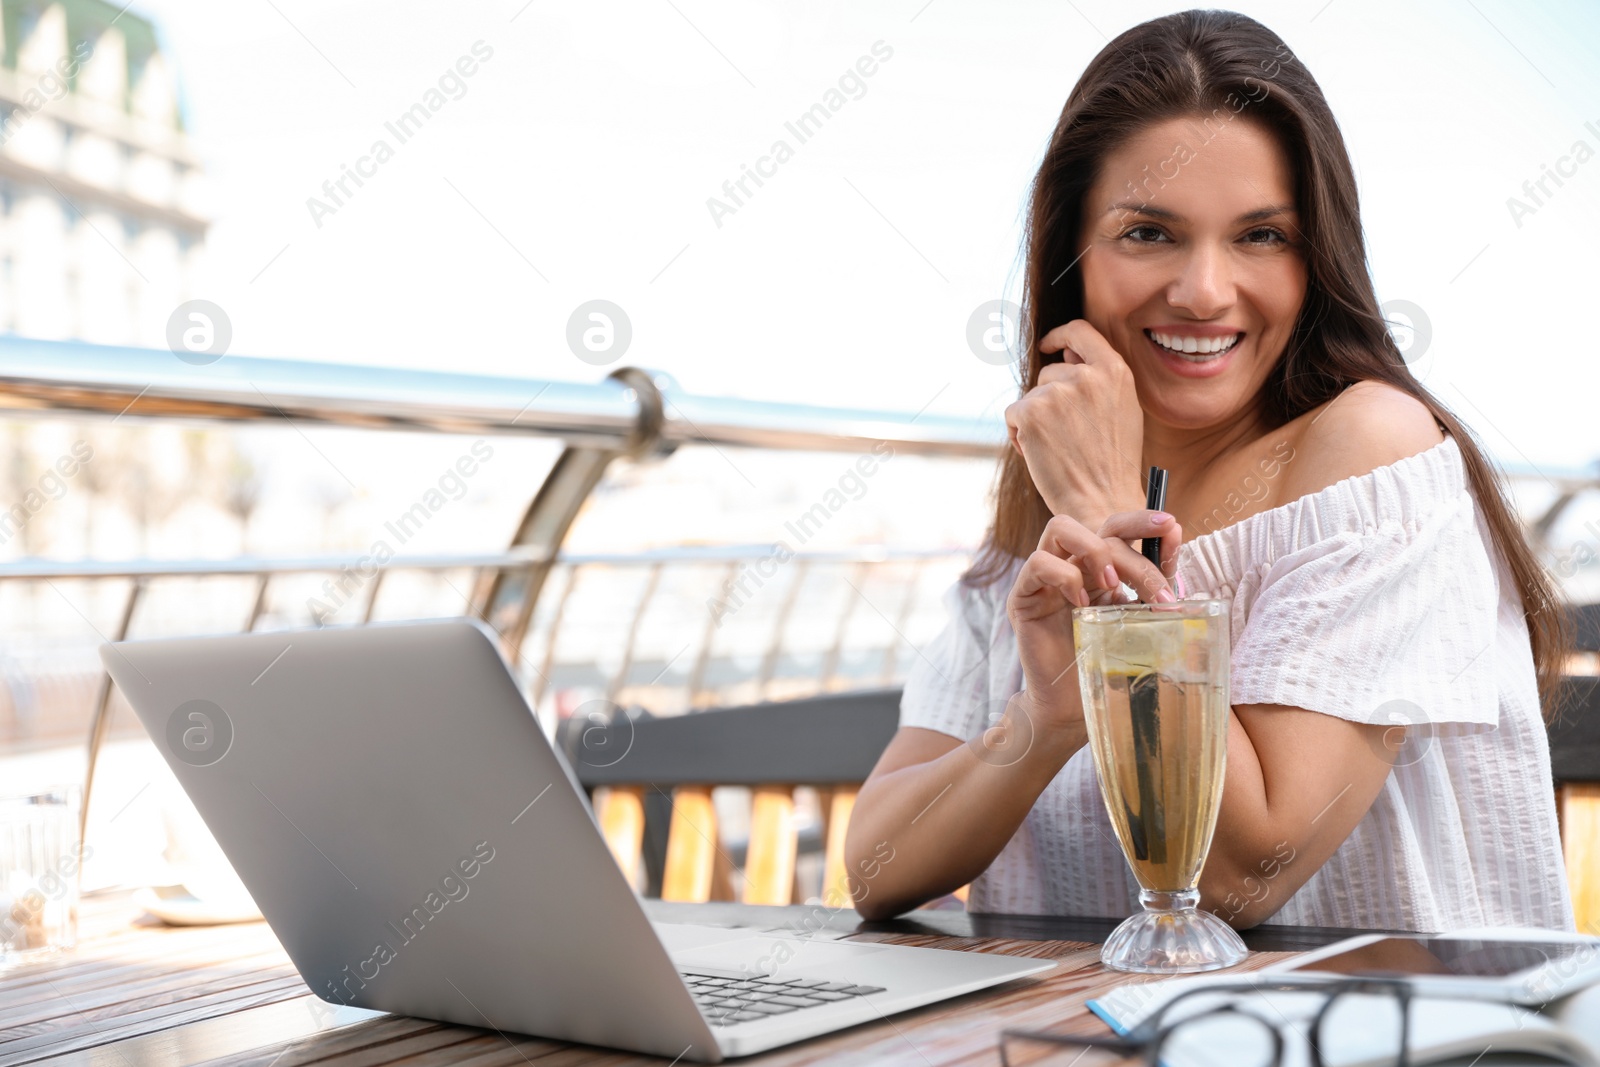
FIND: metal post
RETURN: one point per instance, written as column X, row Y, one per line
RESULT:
column 372, row 595
column 510, row 598
column 620, row 679
column 890, row 652
column 830, row 662
column 769, row 662
column 258, row 606
column 100, row 722
column 1539, row 529
column 708, row 633
column 548, row 665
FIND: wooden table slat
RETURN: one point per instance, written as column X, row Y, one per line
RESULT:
column 350, row 1040
column 438, row 1044
column 88, row 1034
column 54, row 1000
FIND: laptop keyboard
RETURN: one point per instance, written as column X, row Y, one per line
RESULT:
column 724, row 1001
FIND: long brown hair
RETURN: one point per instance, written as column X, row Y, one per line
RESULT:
column 1216, row 64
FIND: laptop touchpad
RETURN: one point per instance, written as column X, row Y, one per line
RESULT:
column 770, row 954
column 681, row 937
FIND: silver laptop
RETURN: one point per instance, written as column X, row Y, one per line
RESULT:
column 418, row 847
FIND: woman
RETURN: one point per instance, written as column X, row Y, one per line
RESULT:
column 1198, row 291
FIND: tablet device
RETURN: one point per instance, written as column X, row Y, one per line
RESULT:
column 1529, row 967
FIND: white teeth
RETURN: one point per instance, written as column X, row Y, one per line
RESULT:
column 1205, row 346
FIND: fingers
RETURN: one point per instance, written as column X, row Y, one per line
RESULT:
column 1058, row 372
column 1109, row 561
column 1013, row 425
column 1046, row 584
column 1170, row 543
column 1132, row 525
column 1079, row 342
column 1092, row 554
column 1148, row 583
column 1137, row 525
column 1051, row 343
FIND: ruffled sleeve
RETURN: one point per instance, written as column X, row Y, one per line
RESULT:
column 1374, row 600
column 947, row 685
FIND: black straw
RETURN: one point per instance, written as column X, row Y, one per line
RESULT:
column 1148, row 829
column 1155, row 498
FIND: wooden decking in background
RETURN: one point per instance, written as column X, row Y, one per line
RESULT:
column 1579, row 804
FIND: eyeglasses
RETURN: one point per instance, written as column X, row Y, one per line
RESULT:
column 1345, row 1021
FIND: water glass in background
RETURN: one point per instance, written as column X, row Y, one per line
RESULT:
column 40, row 854
column 1155, row 700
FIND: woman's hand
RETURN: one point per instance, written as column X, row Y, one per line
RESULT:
column 1080, row 428
column 1074, row 567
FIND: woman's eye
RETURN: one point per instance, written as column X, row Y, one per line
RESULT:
column 1143, row 235
column 1263, row 235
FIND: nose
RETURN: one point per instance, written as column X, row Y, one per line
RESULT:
column 1204, row 285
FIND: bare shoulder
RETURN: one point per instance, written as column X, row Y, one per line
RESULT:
column 1369, row 425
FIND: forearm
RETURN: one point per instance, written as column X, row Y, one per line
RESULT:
column 1296, row 785
column 1230, row 885
column 932, row 827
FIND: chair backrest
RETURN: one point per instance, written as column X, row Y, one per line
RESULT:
column 1575, row 765
column 634, row 762
column 1585, row 627
column 824, row 740
column 1575, row 739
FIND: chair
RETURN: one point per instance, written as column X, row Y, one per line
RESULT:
column 644, row 771
column 1586, row 627
column 1575, row 766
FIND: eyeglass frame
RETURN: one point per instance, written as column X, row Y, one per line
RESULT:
column 1148, row 1036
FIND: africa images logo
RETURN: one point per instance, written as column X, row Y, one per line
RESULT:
column 199, row 733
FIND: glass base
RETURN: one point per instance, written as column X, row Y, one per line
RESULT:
column 1171, row 937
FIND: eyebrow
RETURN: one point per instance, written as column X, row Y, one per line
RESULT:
column 1172, row 216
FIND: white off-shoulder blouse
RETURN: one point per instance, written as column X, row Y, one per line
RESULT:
column 1380, row 599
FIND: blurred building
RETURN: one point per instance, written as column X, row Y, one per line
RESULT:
column 101, row 233
column 99, row 186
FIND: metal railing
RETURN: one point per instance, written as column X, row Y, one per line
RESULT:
column 630, row 413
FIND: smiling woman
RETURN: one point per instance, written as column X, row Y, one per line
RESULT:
column 1197, row 298
column 1160, row 276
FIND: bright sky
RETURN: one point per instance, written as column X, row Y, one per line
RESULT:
column 578, row 163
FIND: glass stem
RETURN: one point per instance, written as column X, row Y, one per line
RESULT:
column 1183, row 900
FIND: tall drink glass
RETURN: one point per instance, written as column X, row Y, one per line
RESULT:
column 40, row 854
column 1155, row 698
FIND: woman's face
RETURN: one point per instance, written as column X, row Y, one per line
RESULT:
column 1192, row 244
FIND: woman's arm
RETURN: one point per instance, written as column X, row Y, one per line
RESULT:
column 943, row 809
column 936, row 812
column 1297, row 784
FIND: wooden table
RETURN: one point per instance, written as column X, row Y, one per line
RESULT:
column 136, row 993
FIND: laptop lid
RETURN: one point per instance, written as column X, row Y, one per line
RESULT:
column 389, row 799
